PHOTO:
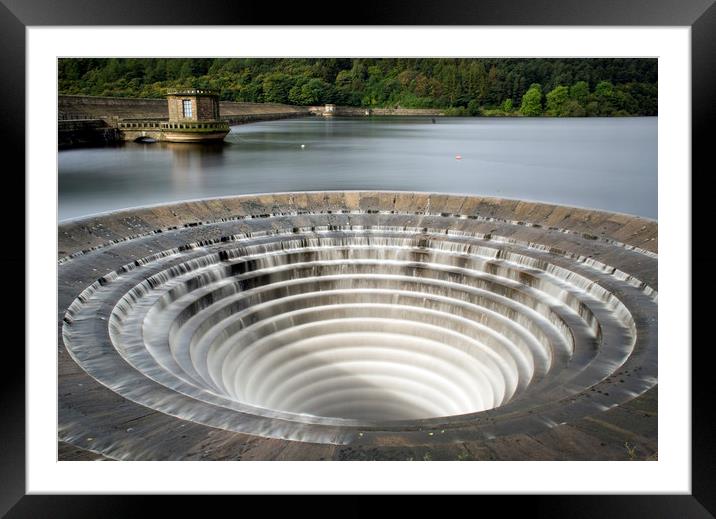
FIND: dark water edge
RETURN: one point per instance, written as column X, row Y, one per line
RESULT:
column 602, row 163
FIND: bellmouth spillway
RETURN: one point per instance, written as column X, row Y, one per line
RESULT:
column 358, row 325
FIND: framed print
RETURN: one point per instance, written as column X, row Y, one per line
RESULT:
column 427, row 237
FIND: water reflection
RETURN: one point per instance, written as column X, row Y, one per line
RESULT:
column 608, row 164
column 192, row 162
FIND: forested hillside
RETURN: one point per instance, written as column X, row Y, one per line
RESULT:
column 529, row 87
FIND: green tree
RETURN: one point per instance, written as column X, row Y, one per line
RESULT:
column 113, row 71
column 476, row 80
column 604, row 89
column 312, row 92
column 556, row 101
column 592, row 109
column 473, row 107
column 185, row 71
column 348, row 87
column 579, row 92
column 624, row 101
column 604, row 96
column 622, row 85
column 276, row 87
column 532, row 101
column 572, row 108
column 251, row 93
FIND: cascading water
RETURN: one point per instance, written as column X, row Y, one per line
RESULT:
column 315, row 332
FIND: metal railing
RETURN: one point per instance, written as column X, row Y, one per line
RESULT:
column 191, row 126
column 173, row 126
column 74, row 116
column 139, row 125
column 192, row 92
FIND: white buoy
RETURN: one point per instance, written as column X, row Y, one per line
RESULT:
column 458, row 157
column 303, row 145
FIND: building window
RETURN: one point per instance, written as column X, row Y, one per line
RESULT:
column 186, row 108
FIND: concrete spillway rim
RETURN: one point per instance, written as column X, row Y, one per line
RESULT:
column 131, row 212
column 132, row 209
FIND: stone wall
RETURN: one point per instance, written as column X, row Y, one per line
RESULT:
column 86, row 120
column 407, row 111
column 174, row 105
column 257, row 117
column 205, row 108
column 106, row 112
column 112, row 108
column 89, row 132
column 355, row 111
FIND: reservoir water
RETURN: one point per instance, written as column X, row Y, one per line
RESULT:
column 602, row 163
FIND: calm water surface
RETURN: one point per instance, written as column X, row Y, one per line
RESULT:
column 607, row 164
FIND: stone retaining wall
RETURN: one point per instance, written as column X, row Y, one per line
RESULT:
column 110, row 108
column 356, row 111
column 85, row 132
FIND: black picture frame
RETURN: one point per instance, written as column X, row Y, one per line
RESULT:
column 16, row 15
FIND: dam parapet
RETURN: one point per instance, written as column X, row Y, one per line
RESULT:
column 117, row 108
column 331, row 110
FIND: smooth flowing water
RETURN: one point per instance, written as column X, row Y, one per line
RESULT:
column 608, row 164
column 344, row 318
column 365, row 323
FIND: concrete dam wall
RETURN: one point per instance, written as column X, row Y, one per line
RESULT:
column 85, row 132
column 109, row 108
column 357, row 111
column 87, row 120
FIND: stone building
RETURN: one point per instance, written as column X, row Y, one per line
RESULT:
column 193, row 105
column 193, row 117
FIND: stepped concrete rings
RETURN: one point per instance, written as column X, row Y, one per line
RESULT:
column 355, row 324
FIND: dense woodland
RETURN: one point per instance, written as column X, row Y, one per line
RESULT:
column 529, row 87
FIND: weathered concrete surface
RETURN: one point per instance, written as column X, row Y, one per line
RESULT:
column 85, row 132
column 592, row 424
column 95, row 107
column 111, row 108
column 173, row 131
column 67, row 451
column 357, row 111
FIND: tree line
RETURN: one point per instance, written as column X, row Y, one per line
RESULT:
column 496, row 86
